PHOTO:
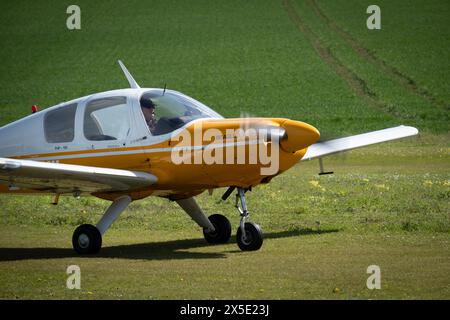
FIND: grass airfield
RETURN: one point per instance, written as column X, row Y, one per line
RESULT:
column 293, row 265
column 387, row 205
column 321, row 234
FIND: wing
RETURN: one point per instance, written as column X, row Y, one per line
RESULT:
column 66, row 178
column 326, row 148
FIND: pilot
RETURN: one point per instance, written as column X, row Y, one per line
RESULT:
column 148, row 109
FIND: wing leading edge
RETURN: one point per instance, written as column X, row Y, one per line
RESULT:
column 326, row 148
column 66, row 178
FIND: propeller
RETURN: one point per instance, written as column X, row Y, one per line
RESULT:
column 270, row 130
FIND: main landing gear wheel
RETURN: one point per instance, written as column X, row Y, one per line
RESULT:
column 222, row 232
column 253, row 238
column 87, row 239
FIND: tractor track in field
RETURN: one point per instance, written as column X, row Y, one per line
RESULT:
column 357, row 84
column 392, row 72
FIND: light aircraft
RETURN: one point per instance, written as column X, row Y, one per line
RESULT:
column 106, row 145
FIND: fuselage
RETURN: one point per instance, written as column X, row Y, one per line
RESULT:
column 192, row 149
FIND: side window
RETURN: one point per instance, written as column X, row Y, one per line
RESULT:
column 107, row 119
column 59, row 124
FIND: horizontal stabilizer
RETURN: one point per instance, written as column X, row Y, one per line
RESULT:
column 326, row 148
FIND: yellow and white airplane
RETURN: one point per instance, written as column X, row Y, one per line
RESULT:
column 128, row 144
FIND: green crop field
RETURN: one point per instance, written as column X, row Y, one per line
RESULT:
column 309, row 60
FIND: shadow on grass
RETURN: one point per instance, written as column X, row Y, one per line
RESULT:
column 166, row 250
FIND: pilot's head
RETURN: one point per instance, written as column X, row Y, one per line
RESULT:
column 147, row 103
column 148, row 109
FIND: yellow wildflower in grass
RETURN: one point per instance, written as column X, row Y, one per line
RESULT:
column 316, row 184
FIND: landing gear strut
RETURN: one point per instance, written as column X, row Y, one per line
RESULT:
column 249, row 235
column 87, row 239
column 217, row 228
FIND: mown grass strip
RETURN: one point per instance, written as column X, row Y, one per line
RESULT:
column 406, row 81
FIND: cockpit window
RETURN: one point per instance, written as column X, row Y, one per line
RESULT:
column 165, row 112
column 107, row 119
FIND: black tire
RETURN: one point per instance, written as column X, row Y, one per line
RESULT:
column 87, row 239
column 254, row 237
column 222, row 234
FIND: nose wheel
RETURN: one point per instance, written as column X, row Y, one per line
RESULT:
column 249, row 235
column 252, row 239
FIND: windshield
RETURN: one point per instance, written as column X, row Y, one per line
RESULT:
column 167, row 111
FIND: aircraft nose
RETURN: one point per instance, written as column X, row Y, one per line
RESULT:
column 299, row 135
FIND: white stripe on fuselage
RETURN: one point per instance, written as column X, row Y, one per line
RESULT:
column 140, row 151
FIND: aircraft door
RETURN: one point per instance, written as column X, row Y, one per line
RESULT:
column 107, row 122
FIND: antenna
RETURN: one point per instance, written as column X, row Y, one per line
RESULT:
column 133, row 83
column 165, row 85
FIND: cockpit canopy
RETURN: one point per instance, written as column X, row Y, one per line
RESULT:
column 173, row 110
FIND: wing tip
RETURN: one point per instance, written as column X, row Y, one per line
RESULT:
column 411, row 130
